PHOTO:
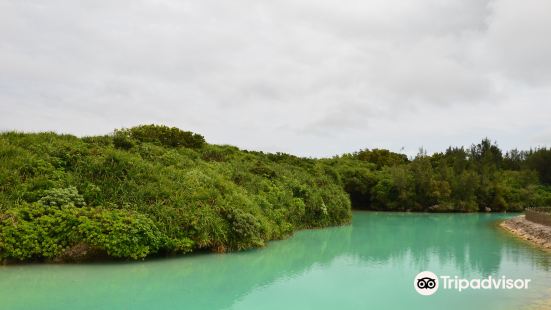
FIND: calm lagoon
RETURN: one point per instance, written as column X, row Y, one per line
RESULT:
column 370, row 264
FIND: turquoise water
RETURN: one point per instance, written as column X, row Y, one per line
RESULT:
column 368, row 265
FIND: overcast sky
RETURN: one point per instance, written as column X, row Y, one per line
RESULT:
column 310, row 77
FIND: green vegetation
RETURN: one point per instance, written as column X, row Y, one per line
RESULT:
column 480, row 178
column 152, row 190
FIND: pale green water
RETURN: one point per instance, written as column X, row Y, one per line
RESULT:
column 368, row 265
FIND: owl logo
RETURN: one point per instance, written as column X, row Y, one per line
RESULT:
column 426, row 283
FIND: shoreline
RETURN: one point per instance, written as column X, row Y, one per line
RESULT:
column 537, row 234
column 106, row 259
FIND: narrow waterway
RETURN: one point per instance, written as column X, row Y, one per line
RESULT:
column 370, row 264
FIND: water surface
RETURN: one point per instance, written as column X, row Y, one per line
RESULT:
column 367, row 265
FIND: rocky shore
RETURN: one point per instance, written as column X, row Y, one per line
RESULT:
column 538, row 234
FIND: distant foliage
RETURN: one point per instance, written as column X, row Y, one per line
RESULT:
column 540, row 161
column 480, row 178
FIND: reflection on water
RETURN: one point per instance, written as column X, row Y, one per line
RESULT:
column 368, row 264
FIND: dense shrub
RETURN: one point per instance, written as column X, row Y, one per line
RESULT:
column 380, row 158
column 246, row 230
column 163, row 135
column 38, row 231
column 153, row 189
column 62, row 196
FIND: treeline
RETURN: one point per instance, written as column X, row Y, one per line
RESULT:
column 156, row 190
column 479, row 178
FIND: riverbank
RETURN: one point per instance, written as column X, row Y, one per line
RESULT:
column 537, row 234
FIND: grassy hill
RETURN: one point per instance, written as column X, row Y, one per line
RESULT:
column 153, row 189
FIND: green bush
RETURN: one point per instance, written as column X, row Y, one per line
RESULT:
column 62, row 196
column 163, row 135
column 37, row 231
column 245, row 229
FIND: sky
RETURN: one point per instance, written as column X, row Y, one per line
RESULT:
column 308, row 77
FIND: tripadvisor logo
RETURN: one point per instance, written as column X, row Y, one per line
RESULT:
column 427, row 283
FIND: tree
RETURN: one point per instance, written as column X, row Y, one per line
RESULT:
column 540, row 160
column 381, row 158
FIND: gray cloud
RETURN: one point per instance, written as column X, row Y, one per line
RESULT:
column 311, row 77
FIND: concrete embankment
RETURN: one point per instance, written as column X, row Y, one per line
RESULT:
column 538, row 234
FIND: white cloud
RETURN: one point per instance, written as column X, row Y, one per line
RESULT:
column 311, row 77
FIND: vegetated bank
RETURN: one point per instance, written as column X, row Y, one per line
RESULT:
column 155, row 190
